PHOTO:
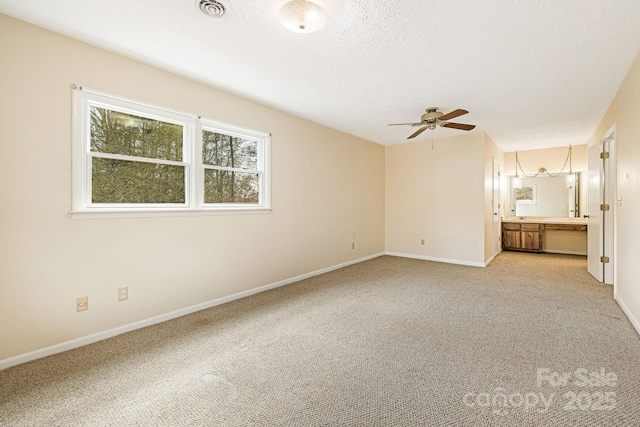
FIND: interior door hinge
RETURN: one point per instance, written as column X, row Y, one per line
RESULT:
column 604, row 155
column 604, row 259
column 604, row 207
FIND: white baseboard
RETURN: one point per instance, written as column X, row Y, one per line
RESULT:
column 628, row 313
column 90, row 339
column 445, row 260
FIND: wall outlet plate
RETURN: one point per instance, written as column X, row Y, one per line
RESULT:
column 82, row 303
column 123, row 294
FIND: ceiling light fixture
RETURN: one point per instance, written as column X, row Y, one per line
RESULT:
column 302, row 16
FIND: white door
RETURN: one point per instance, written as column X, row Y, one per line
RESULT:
column 496, row 208
column 595, row 241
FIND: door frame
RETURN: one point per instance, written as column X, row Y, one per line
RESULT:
column 496, row 204
column 611, row 197
column 595, row 226
column 608, row 194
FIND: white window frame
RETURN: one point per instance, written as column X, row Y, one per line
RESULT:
column 82, row 207
column 213, row 126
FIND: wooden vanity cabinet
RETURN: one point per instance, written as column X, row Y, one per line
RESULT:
column 521, row 237
column 511, row 236
column 531, row 240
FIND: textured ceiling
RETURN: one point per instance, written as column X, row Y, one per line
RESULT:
column 533, row 74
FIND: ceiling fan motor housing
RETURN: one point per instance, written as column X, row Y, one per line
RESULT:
column 431, row 115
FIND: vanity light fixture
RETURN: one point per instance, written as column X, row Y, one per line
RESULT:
column 571, row 177
column 302, row 16
column 517, row 181
column 570, row 180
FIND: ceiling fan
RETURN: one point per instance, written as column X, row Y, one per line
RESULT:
column 433, row 118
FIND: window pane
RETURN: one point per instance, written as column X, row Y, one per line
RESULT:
column 230, row 187
column 121, row 181
column 229, row 151
column 120, row 133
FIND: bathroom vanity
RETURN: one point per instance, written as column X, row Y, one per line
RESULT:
column 540, row 234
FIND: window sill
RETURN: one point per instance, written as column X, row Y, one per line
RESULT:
column 164, row 213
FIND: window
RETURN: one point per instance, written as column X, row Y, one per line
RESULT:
column 137, row 159
column 231, row 173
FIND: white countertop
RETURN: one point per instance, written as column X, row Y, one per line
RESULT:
column 544, row 220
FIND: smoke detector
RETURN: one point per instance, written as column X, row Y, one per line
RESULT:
column 213, row 8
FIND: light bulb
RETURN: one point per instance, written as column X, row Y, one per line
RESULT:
column 302, row 16
column 571, row 179
column 517, row 182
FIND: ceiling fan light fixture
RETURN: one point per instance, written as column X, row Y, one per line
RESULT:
column 302, row 16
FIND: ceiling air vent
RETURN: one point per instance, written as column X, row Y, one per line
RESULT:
column 211, row 8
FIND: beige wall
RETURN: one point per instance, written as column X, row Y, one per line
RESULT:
column 437, row 195
column 325, row 184
column 564, row 242
column 624, row 113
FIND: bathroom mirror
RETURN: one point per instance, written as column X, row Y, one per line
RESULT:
column 547, row 196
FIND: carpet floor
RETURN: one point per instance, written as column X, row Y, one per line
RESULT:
column 530, row 340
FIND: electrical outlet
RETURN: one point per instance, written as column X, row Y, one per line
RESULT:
column 353, row 234
column 82, row 303
column 123, row 294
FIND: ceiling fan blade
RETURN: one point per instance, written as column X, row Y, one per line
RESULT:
column 418, row 132
column 404, row 124
column 460, row 126
column 452, row 115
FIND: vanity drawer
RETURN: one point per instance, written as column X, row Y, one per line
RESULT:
column 511, row 226
column 530, row 227
column 568, row 227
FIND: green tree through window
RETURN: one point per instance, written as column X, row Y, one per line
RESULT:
column 117, row 180
column 231, row 174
